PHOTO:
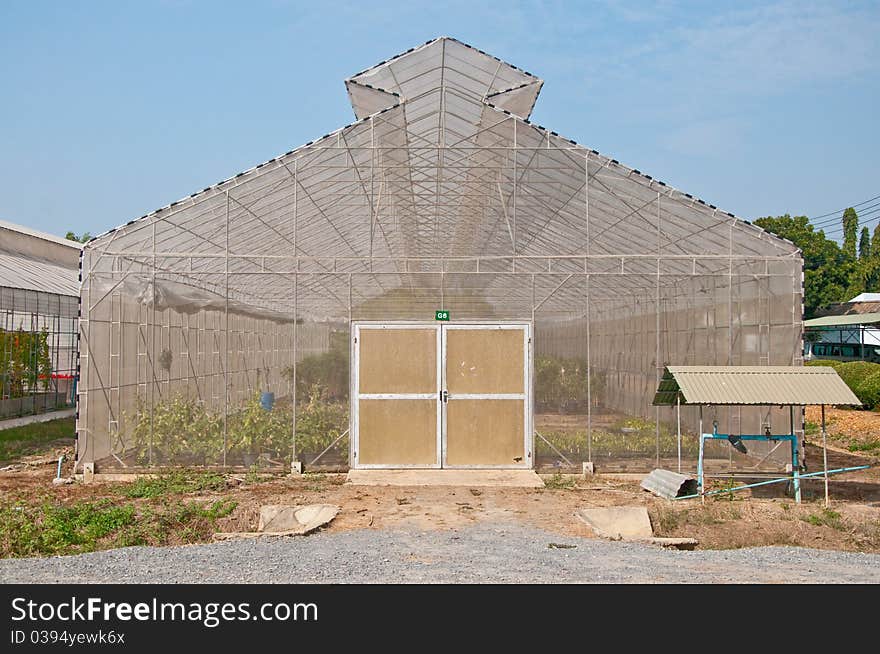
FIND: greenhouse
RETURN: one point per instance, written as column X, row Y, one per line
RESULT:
column 441, row 283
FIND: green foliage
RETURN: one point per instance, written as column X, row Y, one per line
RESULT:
column 632, row 436
column 85, row 238
column 184, row 432
column 865, row 244
column 830, row 274
column 862, row 377
column 827, row 518
column 34, row 438
column 25, row 365
column 560, row 482
column 179, row 430
column 561, row 384
column 850, row 230
column 51, row 529
column 57, row 529
column 867, row 446
column 177, row 482
column 320, row 422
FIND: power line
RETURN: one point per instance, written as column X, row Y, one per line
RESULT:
column 840, row 211
column 870, row 215
column 830, row 221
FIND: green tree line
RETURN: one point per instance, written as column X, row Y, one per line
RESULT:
column 832, row 272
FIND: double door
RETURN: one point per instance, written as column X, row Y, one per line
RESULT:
column 441, row 396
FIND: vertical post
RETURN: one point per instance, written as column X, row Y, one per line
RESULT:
column 589, row 383
column 825, row 455
column 794, row 456
column 293, row 462
column 226, row 336
column 678, row 427
column 700, row 489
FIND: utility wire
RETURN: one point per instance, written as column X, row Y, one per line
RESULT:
column 864, row 221
column 840, row 211
column 861, row 212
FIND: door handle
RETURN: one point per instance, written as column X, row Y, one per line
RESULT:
column 444, row 396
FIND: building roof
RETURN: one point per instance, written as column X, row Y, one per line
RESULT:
column 441, row 172
column 866, row 297
column 762, row 385
column 20, row 271
column 21, row 229
column 849, row 319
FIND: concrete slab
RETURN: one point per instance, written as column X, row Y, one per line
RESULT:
column 412, row 477
column 283, row 519
column 619, row 522
column 39, row 417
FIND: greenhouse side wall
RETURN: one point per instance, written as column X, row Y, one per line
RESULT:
column 37, row 351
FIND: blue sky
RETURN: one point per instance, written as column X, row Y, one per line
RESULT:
column 112, row 109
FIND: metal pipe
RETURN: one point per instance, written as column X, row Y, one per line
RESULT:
column 60, row 461
column 825, row 455
column 678, row 426
column 771, row 481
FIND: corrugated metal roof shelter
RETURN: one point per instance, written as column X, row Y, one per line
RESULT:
column 39, row 301
column 755, row 385
column 759, row 385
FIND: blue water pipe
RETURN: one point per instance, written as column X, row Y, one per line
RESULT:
column 771, row 481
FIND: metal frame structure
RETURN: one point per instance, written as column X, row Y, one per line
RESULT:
column 442, row 194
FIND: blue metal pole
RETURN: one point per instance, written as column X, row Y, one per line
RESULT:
column 795, row 468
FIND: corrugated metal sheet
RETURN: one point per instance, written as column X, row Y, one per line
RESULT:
column 850, row 319
column 18, row 271
column 764, row 385
column 668, row 484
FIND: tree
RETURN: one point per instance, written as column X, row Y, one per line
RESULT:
column 829, row 274
column 85, row 238
column 875, row 243
column 865, row 244
column 850, row 231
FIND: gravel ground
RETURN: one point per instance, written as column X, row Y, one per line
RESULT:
column 508, row 553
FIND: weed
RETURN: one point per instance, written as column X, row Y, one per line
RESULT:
column 174, row 483
column 827, row 518
column 560, row 482
column 31, row 530
column 868, row 446
column 316, row 481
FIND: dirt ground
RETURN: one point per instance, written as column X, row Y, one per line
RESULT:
column 765, row 516
column 847, row 429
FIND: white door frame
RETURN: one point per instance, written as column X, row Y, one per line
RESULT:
column 355, row 394
column 525, row 396
column 441, row 329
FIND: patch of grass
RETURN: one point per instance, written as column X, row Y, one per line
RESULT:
column 173, row 483
column 811, row 428
column 827, row 518
column 51, row 529
column 560, row 482
column 34, row 438
column 316, row 481
column 55, row 529
column 867, row 446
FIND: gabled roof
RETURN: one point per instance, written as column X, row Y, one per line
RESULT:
column 442, row 164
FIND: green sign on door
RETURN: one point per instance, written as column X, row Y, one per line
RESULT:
column 441, row 315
